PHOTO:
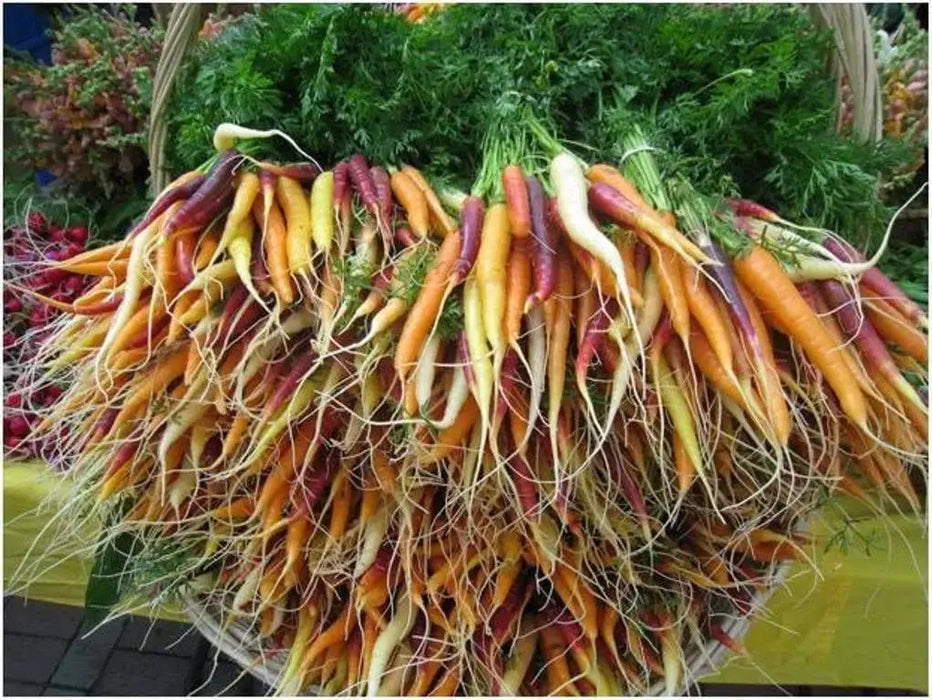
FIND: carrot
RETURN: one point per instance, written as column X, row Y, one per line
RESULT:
column 305, row 173
column 559, row 340
column 448, row 683
column 334, row 634
column 894, row 328
column 544, row 246
column 704, row 308
column 210, row 198
column 676, row 405
column 774, row 399
column 559, row 679
column 767, row 281
column 606, row 174
column 708, row 363
column 672, row 288
column 275, row 236
column 297, row 211
column 472, row 226
column 116, row 268
column 451, row 438
column 104, row 254
column 413, row 200
column 862, row 331
column 181, row 189
column 322, row 204
column 568, row 181
column 612, row 203
column 491, row 266
column 161, row 376
column 685, row 469
column 361, row 178
column 439, row 217
column 342, row 204
column 516, row 199
column 424, row 312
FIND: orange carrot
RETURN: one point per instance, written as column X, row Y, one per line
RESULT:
column 518, row 288
column 516, row 198
column 451, row 438
column 438, row 216
column 275, row 237
column 685, row 469
column 413, row 200
column 895, row 328
column 422, row 315
column 704, row 308
column 765, row 278
column 670, row 275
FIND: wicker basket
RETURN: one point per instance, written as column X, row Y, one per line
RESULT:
column 854, row 59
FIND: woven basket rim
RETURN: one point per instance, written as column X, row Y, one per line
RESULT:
column 700, row 662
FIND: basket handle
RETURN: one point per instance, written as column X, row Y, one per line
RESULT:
column 854, row 57
column 183, row 23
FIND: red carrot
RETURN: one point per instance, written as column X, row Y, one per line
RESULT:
column 525, row 485
column 747, row 207
column 629, row 489
column 545, row 245
column 184, row 257
column 593, row 341
column 404, row 236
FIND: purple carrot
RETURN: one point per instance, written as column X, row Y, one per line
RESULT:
column 629, row 489
column 472, row 216
column 230, row 310
column 508, row 375
column 211, row 197
column 859, row 328
column 166, row 199
column 383, row 190
column 641, row 258
column 289, row 383
column 316, row 480
column 305, row 173
column 876, row 281
column 545, row 245
column 361, row 179
column 726, row 286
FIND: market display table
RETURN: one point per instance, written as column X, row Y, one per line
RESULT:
column 862, row 624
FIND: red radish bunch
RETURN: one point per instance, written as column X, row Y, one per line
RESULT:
column 28, row 321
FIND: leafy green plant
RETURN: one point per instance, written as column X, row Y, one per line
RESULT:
column 738, row 96
column 84, row 118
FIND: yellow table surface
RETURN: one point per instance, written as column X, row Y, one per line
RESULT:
column 864, row 623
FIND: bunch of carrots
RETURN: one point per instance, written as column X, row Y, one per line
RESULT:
column 549, row 437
